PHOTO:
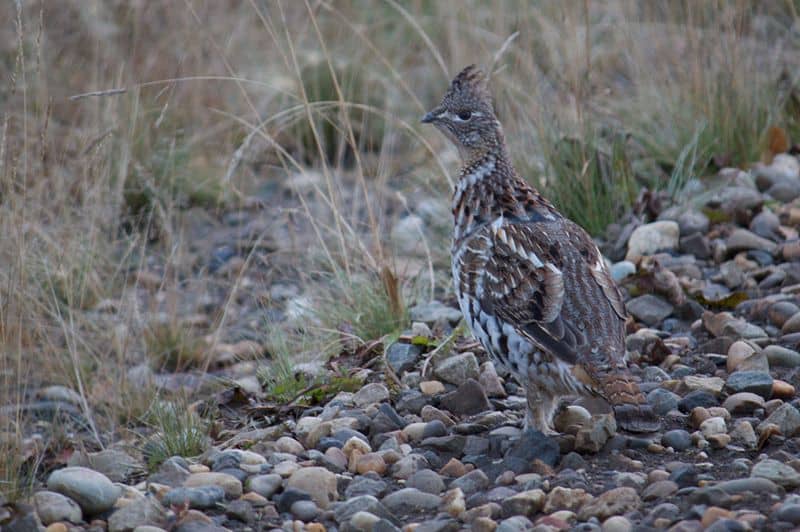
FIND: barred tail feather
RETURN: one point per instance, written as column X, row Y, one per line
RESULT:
column 631, row 409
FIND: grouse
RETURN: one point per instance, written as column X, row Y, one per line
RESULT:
column 532, row 285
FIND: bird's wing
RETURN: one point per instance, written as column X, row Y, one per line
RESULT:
column 524, row 282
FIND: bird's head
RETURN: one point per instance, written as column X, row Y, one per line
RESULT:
column 466, row 115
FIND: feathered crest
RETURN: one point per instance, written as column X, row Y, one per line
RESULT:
column 471, row 79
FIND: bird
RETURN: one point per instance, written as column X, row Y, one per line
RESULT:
column 532, row 285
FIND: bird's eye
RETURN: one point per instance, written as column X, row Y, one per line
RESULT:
column 464, row 115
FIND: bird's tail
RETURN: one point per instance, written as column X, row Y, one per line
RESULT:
column 631, row 409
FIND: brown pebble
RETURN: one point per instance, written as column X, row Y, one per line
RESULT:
column 352, row 461
column 791, row 250
column 371, row 462
column 255, row 499
column 505, row 479
column 713, row 514
column 431, row 387
column 782, row 389
column 314, row 527
column 57, row 527
column 698, row 415
column 453, row 469
column 483, row 524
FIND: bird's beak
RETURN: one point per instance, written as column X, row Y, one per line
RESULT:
column 430, row 116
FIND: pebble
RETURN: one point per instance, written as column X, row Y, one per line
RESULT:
column 649, row 238
column 434, row 311
column 779, row 356
column 617, row 523
column 52, row 507
column 458, row 369
column 402, row 357
column 285, row 444
column 468, row 399
column 659, row 490
column 678, row 439
column 786, row 417
column 431, row 387
column 663, row 401
column 201, row 497
column 318, row 482
column 231, row 485
column 527, row 503
column 743, row 403
column 145, row 511
column 778, row 472
column 411, row 500
column 371, row 462
column 375, row 392
column 616, row 501
column 427, row 481
column 93, row 491
column 649, row 309
column 304, row 510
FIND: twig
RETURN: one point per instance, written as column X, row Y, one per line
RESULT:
column 109, row 92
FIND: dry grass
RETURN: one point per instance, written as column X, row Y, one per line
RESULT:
column 214, row 101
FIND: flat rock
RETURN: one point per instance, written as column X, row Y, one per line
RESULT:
column 201, row 497
column 786, row 417
column 617, row 501
column 402, row 357
column 142, row 512
column 52, row 507
column 375, row 392
column 781, row 474
column 230, row 484
column 317, row 482
column 411, row 500
column 93, row 491
column 434, row 311
column 468, row 399
column 457, row 369
column 649, row 238
column 759, row 383
column 743, row 403
column 744, row 240
column 649, row 309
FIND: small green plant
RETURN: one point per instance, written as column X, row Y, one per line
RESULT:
column 178, row 431
column 361, row 307
column 173, row 346
column 691, row 163
column 590, row 179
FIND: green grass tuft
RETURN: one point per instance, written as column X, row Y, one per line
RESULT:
column 178, row 431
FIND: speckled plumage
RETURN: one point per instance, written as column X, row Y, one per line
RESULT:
column 531, row 284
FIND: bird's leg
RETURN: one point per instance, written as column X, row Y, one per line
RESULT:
column 541, row 408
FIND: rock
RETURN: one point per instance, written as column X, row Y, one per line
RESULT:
column 617, row 523
column 472, row 482
column 304, row 510
column 572, row 418
column 622, row 269
column 561, row 498
column 201, row 497
column 743, row 403
column 317, row 482
column 527, row 503
column 468, row 399
column 786, row 417
column 593, row 437
column 756, row 382
column 691, row 221
column 779, row 356
column 431, row 387
column 434, row 311
column 711, row 385
column 454, row 503
column 264, row 485
column 93, row 491
column 51, row 507
column 782, row 390
column 744, row 240
column 371, row 393
column 663, row 400
column 649, row 309
column 371, row 462
column 288, row 445
column 518, row 523
column 649, row 238
column 60, row 394
column 695, row 399
column 407, row 234
column 532, row 445
column 345, row 511
column 490, row 382
column 458, row 369
column 427, row 481
column 659, row 490
column 142, row 512
column 788, row 512
column 744, row 434
column 411, row 501
column 713, row 425
column 678, row 439
column 742, row 356
column 696, row 244
column 230, row 484
column 617, row 501
column 402, row 357
column 784, row 168
column 368, row 485
column 778, row 472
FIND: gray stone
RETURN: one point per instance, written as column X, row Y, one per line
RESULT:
column 402, row 357
column 778, row 472
column 264, row 485
column 317, row 482
column 61, row 394
column 371, row 393
column 622, row 269
column 756, row 382
column 141, row 512
column 659, row 490
column 518, row 523
column 458, row 369
column 345, row 511
column 202, row 497
column 427, row 481
column 649, row 309
column 305, row 510
column 52, row 507
column 594, row 436
column 617, row 501
column 115, row 464
column 743, row 403
column 411, row 500
column 779, row 356
column 678, row 439
column 468, row 399
column 649, row 238
column 744, row 240
column 93, row 491
column 472, row 482
column 434, row 311
column 663, row 400
column 786, row 417
column 367, row 485
column 691, row 221
column 765, row 224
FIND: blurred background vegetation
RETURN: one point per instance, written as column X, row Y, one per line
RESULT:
column 306, row 113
